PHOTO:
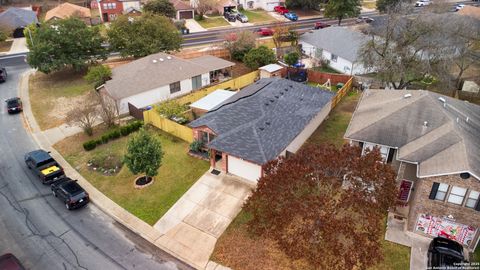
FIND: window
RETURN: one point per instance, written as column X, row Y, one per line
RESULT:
column 334, row 57
column 114, row 5
column 105, row 6
column 319, row 53
column 441, row 192
column 472, row 199
column 197, row 82
column 204, row 137
column 383, row 149
column 456, row 195
column 174, row 87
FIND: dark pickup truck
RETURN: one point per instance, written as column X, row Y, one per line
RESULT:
column 44, row 166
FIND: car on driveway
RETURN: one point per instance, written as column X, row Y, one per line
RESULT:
column 362, row 19
column 10, row 262
column 291, row 16
column 444, row 252
column 459, row 7
column 14, row 105
column 70, row 193
column 44, row 166
column 265, row 32
column 281, row 10
column 242, row 18
column 422, row 3
column 321, row 25
column 230, row 16
column 3, row 74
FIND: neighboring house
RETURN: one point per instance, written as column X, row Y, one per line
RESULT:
column 270, row 70
column 433, row 142
column 338, row 45
column 270, row 118
column 159, row 77
column 267, row 5
column 470, row 11
column 16, row 19
column 221, row 5
column 183, row 9
column 132, row 12
column 210, row 101
column 111, row 9
column 67, row 10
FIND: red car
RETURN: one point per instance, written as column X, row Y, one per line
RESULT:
column 321, row 25
column 281, row 9
column 265, row 32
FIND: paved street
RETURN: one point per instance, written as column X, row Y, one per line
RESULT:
column 38, row 229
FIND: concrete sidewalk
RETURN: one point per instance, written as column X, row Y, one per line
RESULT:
column 194, row 26
column 19, row 45
column 122, row 216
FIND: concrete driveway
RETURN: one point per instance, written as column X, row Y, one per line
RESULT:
column 194, row 223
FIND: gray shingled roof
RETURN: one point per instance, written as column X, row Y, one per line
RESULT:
column 435, row 135
column 155, row 71
column 337, row 40
column 14, row 18
column 261, row 120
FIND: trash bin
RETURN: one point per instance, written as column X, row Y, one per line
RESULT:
column 340, row 85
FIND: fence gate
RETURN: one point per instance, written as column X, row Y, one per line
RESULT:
column 135, row 112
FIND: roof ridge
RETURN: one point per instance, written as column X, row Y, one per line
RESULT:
column 247, row 96
column 259, row 143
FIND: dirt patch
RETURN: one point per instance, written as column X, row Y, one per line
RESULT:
column 5, row 46
column 239, row 69
column 63, row 106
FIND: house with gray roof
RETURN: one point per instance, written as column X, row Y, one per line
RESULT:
column 267, row 119
column 433, row 143
column 16, row 19
column 338, row 45
column 159, row 77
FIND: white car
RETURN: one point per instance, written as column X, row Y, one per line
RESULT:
column 422, row 3
column 459, row 6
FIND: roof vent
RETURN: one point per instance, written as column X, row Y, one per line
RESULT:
column 407, row 95
column 286, row 89
column 154, row 61
column 267, row 123
column 161, row 59
column 425, row 124
column 442, row 99
column 276, row 96
column 261, row 128
column 281, row 93
column 169, row 57
column 271, row 100
column 465, row 175
column 291, row 86
column 266, row 104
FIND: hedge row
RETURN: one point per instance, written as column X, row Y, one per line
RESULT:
column 112, row 135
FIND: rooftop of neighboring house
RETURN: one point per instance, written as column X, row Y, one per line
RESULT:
column 470, row 11
column 212, row 100
column 66, row 10
column 271, row 68
column 260, row 121
column 158, row 70
column 341, row 41
column 439, row 133
column 17, row 17
column 181, row 5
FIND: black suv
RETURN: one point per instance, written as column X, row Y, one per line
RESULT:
column 44, row 166
column 3, row 74
column 444, row 252
column 70, row 192
column 230, row 16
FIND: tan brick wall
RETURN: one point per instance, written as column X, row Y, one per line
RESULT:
column 421, row 204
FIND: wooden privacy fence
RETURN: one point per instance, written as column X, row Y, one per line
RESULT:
column 233, row 84
column 342, row 92
column 183, row 132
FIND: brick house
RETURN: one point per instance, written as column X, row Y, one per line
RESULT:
column 433, row 142
column 267, row 119
column 111, row 9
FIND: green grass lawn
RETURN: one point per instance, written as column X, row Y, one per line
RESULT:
column 176, row 175
column 326, row 69
column 258, row 16
column 333, row 88
column 209, row 22
column 476, row 255
column 369, row 4
column 48, row 90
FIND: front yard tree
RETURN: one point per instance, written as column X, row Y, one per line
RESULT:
column 144, row 35
column 203, row 6
column 341, row 9
column 160, row 7
column 85, row 114
column 64, row 43
column 144, row 154
column 325, row 205
column 259, row 57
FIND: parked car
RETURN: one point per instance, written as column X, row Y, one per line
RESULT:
column 291, row 16
column 44, row 166
column 444, row 252
column 422, row 3
column 281, row 10
column 10, row 262
column 242, row 18
column 321, row 25
column 70, row 192
column 14, row 105
column 459, row 7
column 230, row 16
column 362, row 19
column 265, row 32
column 3, row 74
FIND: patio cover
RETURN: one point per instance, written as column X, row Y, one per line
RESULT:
column 212, row 100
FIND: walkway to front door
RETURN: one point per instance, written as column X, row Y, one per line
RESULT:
column 194, row 223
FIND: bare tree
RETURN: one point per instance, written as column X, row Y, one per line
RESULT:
column 204, row 6
column 85, row 114
column 108, row 110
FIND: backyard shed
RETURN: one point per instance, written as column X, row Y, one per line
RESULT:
column 271, row 70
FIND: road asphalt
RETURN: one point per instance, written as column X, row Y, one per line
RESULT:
column 37, row 228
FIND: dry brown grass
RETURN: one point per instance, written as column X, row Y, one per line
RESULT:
column 5, row 46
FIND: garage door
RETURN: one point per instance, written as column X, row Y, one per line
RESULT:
column 244, row 169
column 186, row 14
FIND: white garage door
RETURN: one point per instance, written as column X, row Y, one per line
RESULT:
column 244, row 169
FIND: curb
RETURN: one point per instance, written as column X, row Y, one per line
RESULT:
column 104, row 203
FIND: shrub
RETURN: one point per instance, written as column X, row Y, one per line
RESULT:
column 291, row 58
column 196, row 146
column 115, row 134
column 105, row 137
column 3, row 36
column 258, row 57
column 90, row 145
column 198, row 17
column 124, row 131
column 98, row 75
column 171, row 108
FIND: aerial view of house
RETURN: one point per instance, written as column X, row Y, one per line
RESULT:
column 269, row 118
column 433, row 143
column 110, row 9
column 161, row 76
column 66, row 10
column 16, row 19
